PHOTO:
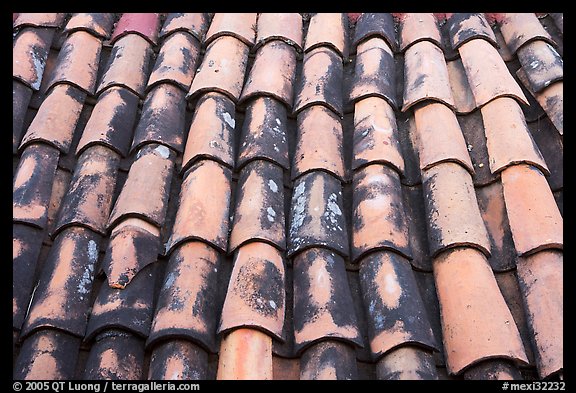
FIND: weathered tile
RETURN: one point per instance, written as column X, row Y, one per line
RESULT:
column 522, row 27
column 413, row 201
column 472, row 128
column 328, row 30
column 408, row 362
column 328, row 360
column 195, row 23
column 178, row 359
column 463, row 27
column 551, row 145
column 285, row 26
column 96, row 23
column 116, row 356
column 245, row 354
column 37, row 19
column 375, row 24
column 542, row 64
column 415, row 27
column 241, row 26
column 143, row 24
column 21, row 95
column 493, row 370
column 29, row 55
column 463, row 98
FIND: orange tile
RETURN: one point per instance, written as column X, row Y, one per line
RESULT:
column 241, row 26
column 56, row 119
column 376, row 135
column 186, row 305
column 321, row 81
column 98, row 24
column 36, row 19
column 203, row 206
column 29, row 55
column 245, row 354
column 378, row 216
column 88, row 200
column 374, row 72
column 259, row 212
column 256, row 295
column 508, row 139
column 416, row 27
column 222, row 69
column 286, row 27
column 176, row 62
column 439, row 137
column 319, row 143
column 272, row 74
column 430, row 82
column 178, row 359
column 541, row 63
column 521, row 28
column 476, row 323
column 195, row 23
column 128, row 65
column 212, row 131
column 463, row 98
column 541, row 279
column 375, row 25
column 117, row 356
column 463, row 27
column 144, row 24
column 534, row 217
column 408, row 362
column 487, row 73
column 328, row 360
column 323, row 306
column 327, row 30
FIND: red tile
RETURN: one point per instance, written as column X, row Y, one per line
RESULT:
column 534, row 217
column 541, row 63
column 425, row 83
column 463, row 27
column 375, row 25
column 194, row 23
column 241, row 26
column 286, row 27
column 328, row 30
column 521, row 28
column 272, row 74
column 178, row 359
column 29, row 55
column 98, row 24
column 245, row 354
column 144, row 24
column 508, row 139
column 416, row 27
column 463, row 98
column 222, row 69
column 319, row 143
column 328, row 360
column 408, row 362
column 476, row 323
column 49, row 19
column 116, row 356
column 256, row 296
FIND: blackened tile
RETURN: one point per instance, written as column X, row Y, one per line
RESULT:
column 178, row 359
column 493, row 370
column 522, row 27
column 29, row 55
column 194, row 23
column 408, row 362
column 542, row 64
column 21, row 95
column 98, row 24
column 329, row 360
column 463, row 27
column 375, row 24
column 551, row 145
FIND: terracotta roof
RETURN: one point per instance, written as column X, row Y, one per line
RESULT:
column 288, row 196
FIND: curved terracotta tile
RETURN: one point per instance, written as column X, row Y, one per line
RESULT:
column 464, row 102
column 211, row 133
column 117, row 356
column 26, row 245
column 21, row 94
column 222, row 69
column 439, row 137
column 178, row 360
column 133, row 245
column 328, row 30
column 521, row 28
column 408, row 362
column 463, row 27
column 195, row 23
column 502, row 47
column 241, row 26
column 425, row 75
column 32, row 186
column 286, row 27
column 56, row 119
column 186, row 305
column 245, row 354
column 256, row 295
column 378, row 216
column 552, row 100
column 47, row 355
column 375, row 137
column 264, row 133
column 452, row 210
column 320, row 82
column 316, row 214
column 36, row 19
column 145, row 25
column 534, row 217
column 146, row 190
column 128, row 65
column 323, row 306
column 29, row 54
column 98, row 24
column 61, row 299
column 162, row 118
column 395, row 310
column 417, row 227
column 476, row 322
column 329, row 360
column 203, row 206
column 129, row 309
column 319, row 143
column 176, row 62
column 541, row 279
column 59, row 189
column 374, row 72
column 508, row 139
column 542, row 64
column 488, row 76
column 88, row 200
column 493, row 370
column 493, row 211
column 112, row 121
column 416, row 27
column 259, row 212
column 272, row 74
column 375, row 24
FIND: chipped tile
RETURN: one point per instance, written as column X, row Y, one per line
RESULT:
column 328, row 30
column 328, row 360
column 143, row 24
column 415, row 27
column 29, row 55
column 98, row 24
column 286, row 27
column 194, row 23
column 463, row 27
column 375, row 25
column 241, row 26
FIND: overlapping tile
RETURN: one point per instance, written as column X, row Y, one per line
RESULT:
column 37, row 19
column 98, row 24
column 286, row 27
column 145, row 25
column 375, row 25
column 194, row 23
column 415, row 27
column 407, row 363
column 178, row 359
column 328, row 30
column 246, row 355
column 30, row 51
column 463, row 27
column 242, row 26
column 329, row 360
column 521, row 28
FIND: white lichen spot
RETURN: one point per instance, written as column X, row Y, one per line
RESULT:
column 92, row 251
column 271, row 214
column 85, row 283
column 170, row 278
column 278, row 121
column 365, row 133
column 39, row 64
column 469, row 147
column 163, row 151
column 272, row 304
column 276, row 148
column 272, row 185
column 229, row 119
column 298, row 207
